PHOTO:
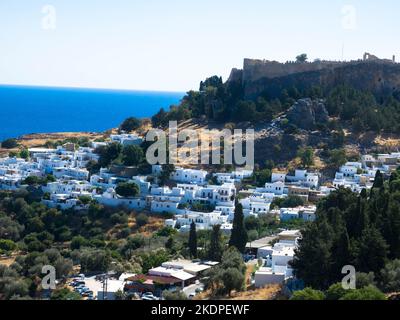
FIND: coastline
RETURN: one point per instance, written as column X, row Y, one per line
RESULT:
column 39, row 139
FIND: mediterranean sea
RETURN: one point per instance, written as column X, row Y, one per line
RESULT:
column 25, row 109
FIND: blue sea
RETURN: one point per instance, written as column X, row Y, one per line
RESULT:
column 26, row 109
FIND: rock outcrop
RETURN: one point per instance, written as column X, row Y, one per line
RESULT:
column 306, row 114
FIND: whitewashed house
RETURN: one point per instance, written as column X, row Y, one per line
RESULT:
column 277, row 188
column 203, row 221
column 278, row 176
column 189, row 176
column 71, row 173
column 111, row 199
column 277, row 267
column 127, row 139
column 255, row 205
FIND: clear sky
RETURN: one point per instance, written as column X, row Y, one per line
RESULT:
column 172, row 45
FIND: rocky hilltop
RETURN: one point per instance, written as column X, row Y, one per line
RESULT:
column 379, row 76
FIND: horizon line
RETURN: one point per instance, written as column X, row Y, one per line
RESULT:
column 89, row 88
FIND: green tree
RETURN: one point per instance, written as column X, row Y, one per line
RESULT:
column 141, row 220
column 65, row 294
column 108, row 153
column 193, row 240
column 24, row 154
column 302, row 58
column 372, row 251
column 232, row 279
column 337, row 158
column 245, row 111
column 174, row 295
column 9, row 144
column 127, row 190
column 166, row 171
column 308, row 294
column 238, row 235
column 366, row 293
column 229, row 274
column 215, row 249
column 262, row 176
column 94, row 260
column 152, row 259
column 78, row 242
column 365, row 279
column 132, row 155
column 390, row 277
column 291, row 201
column 132, row 244
column 378, row 182
column 307, row 156
column 130, row 124
column 7, row 245
column 160, row 119
column 335, row 292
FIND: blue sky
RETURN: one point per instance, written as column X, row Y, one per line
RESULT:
column 172, row 45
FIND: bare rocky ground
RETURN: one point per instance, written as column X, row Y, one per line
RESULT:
column 271, row 142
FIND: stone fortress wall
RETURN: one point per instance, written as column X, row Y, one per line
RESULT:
column 254, row 69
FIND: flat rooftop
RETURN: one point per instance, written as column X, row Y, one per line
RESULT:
column 263, row 242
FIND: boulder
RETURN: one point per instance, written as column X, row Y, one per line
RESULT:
column 306, row 114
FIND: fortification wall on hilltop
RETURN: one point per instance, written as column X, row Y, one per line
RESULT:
column 379, row 77
column 254, row 69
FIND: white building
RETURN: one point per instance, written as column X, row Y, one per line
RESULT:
column 277, row 188
column 183, row 175
column 278, row 176
column 203, row 220
column 307, row 213
column 277, row 260
column 304, row 178
column 126, row 139
column 189, row 176
column 255, row 205
column 111, row 199
column 71, row 173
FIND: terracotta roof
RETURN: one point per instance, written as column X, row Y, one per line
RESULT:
column 148, row 279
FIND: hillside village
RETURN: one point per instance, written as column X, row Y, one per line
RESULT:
column 73, row 181
column 191, row 196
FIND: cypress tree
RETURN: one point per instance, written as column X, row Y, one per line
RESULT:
column 378, row 182
column 239, row 234
column 391, row 226
column 372, row 251
column 193, row 240
column 215, row 250
column 362, row 221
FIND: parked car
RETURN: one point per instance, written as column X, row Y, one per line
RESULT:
column 77, row 283
column 87, row 293
column 198, row 290
column 149, row 296
column 79, row 288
